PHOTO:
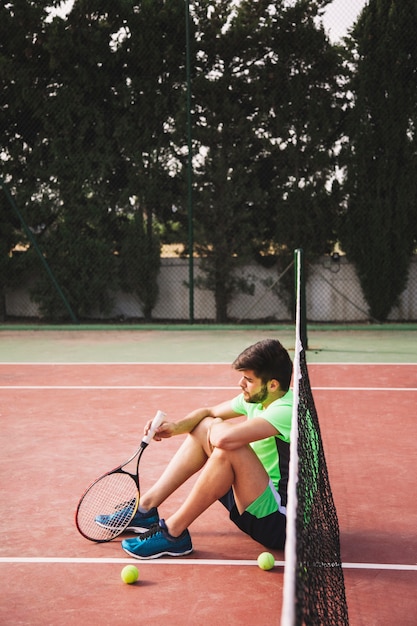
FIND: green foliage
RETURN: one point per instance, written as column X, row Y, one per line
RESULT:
column 85, row 115
column 224, row 188
column 140, row 262
column 380, row 223
column 299, row 114
column 266, row 120
column 84, row 267
column 93, row 113
column 5, row 264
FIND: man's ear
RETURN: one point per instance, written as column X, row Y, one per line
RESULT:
column 274, row 385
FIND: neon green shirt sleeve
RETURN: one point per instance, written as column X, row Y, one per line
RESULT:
column 273, row 452
column 279, row 413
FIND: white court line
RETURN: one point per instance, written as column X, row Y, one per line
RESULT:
column 179, row 561
column 87, row 561
column 196, row 363
column 121, row 387
column 124, row 363
column 190, row 387
column 364, row 389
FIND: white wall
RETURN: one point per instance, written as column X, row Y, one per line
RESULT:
column 333, row 295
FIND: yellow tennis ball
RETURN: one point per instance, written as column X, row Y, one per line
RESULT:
column 129, row 574
column 266, row 560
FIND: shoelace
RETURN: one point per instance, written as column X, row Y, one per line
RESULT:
column 154, row 530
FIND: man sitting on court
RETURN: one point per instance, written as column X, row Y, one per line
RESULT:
column 244, row 463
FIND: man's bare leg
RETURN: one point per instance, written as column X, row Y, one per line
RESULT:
column 240, row 469
column 189, row 459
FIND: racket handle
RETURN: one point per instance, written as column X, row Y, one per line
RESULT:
column 156, row 422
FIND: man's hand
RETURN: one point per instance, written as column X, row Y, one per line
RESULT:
column 165, row 430
column 216, row 420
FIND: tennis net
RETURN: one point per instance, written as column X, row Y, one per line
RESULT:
column 314, row 590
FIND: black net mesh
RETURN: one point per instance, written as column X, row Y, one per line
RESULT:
column 319, row 583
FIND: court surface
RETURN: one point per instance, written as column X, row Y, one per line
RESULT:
column 73, row 404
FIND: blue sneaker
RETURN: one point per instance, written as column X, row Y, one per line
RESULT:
column 139, row 523
column 158, row 542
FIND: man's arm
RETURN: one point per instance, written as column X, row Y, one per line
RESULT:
column 232, row 436
column 189, row 422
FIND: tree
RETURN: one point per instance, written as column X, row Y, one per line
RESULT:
column 92, row 100
column 100, row 148
column 379, row 229
column 225, row 185
column 140, row 262
column 266, row 119
column 150, row 130
column 53, row 159
column 299, row 114
column 8, row 237
column 22, row 84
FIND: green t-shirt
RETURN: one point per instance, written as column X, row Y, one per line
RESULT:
column 273, row 452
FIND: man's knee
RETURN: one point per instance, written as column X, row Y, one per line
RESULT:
column 203, row 426
column 202, row 434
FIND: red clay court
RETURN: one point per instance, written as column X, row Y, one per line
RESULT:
column 73, row 404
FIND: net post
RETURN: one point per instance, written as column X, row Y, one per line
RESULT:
column 313, row 590
column 300, row 289
column 288, row 613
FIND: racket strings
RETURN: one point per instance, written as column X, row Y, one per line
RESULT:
column 107, row 507
column 127, row 503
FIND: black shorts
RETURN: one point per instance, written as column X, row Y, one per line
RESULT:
column 270, row 530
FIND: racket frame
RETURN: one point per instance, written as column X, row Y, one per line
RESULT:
column 115, row 532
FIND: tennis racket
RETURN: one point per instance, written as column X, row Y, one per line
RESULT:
column 109, row 504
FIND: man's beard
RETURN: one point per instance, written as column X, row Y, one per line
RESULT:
column 259, row 397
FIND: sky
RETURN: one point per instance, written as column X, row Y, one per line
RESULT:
column 340, row 15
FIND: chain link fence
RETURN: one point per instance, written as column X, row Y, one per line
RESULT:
column 333, row 295
column 162, row 160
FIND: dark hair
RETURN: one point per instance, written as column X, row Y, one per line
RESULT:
column 268, row 359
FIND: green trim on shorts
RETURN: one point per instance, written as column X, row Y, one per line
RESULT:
column 264, row 505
